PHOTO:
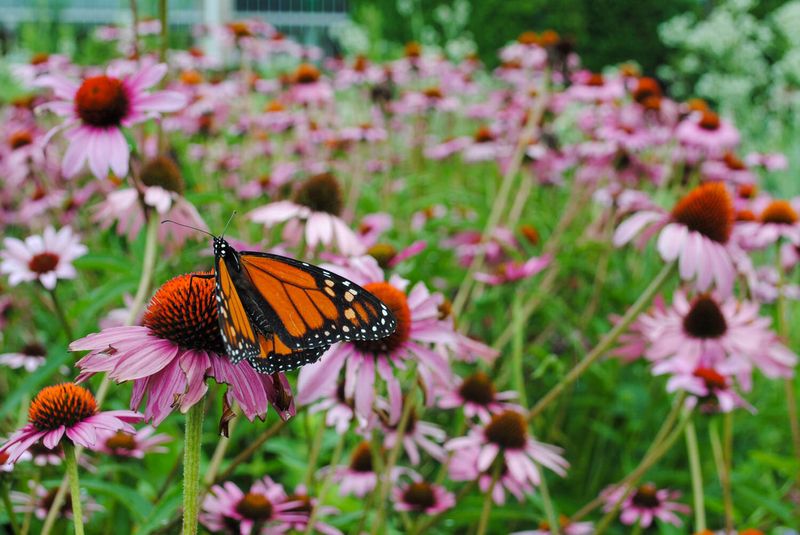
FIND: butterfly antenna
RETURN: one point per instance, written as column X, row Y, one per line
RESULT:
column 228, row 223
column 187, row 226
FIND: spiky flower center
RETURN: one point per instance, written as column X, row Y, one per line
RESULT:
column 102, row 101
column 709, row 120
column 705, row 319
column 184, row 311
column 361, row 63
column 383, row 253
column 477, row 388
column 239, row 29
column 433, row 92
column 191, row 77
column 733, row 162
column 321, row 193
column 419, row 495
column 413, row 49
column 121, row 441
column 530, row 233
column 361, row 460
column 396, row 301
column 483, row 135
column 164, row 172
column 596, row 80
column 43, row 262
column 646, row 88
column 19, row 139
column 34, row 349
column 305, row 505
column 780, row 212
column 745, row 215
column 528, row 38
column 255, row 507
column 563, row 522
column 646, row 497
column 65, row 404
column 306, row 74
column 707, row 209
column 507, row 430
column 712, row 378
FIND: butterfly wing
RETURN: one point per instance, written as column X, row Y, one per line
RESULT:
column 278, row 357
column 238, row 335
column 306, row 306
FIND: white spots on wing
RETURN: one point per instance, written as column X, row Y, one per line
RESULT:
column 350, row 314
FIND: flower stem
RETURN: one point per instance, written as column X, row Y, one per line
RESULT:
column 162, row 16
column 135, row 26
column 486, row 511
column 250, row 450
column 191, row 467
column 723, row 473
column 697, row 477
column 62, row 318
column 501, row 199
column 71, row 462
column 337, row 455
column 547, row 504
column 313, row 454
column 606, row 343
column 12, row 518
column 391, row 461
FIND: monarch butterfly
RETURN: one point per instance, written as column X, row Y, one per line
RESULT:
column 279, row 313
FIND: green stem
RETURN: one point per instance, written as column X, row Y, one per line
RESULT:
column 12, row 518
column 62, row 318
column 637, row 528
column 697, row 477
column 71, row 462
column 394, row 455
column 723, row 473
column 607, row 341
column 486, row 510
column 501, row 199
column 162, row 16
column 250, row 450
column 313, row 454
column 547, row 504
column 337, row 455
column 191, row 467
column 135, row 28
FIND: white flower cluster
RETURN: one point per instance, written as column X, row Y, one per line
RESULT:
column 738, row 60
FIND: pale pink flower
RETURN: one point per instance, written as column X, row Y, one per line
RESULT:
column 506, row 437
column 133, row 445
column 646, row 504
column 707, row 132
column 514, row 271
column 65, row 411
column 264, row 509
column 421, row 497
column 45, row 258
column 695, row 235
column 169, row 360
column 30, row 357
column 478, row 397
column 99, row 107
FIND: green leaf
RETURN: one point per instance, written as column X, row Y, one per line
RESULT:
column 128, row 497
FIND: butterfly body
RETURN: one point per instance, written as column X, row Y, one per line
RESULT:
column 279, row 313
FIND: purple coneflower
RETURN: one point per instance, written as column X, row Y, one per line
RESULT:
column 45, row 258
column 263, row 509
column 566, row 527
column 422, row 497
column 506, row 436
column 313, row 213
column 645, row 504
column 30, row 357
column 695, row 234
column 726, row 335
column 170, row 356
column 65, row 410
column 99, row 107
column 418, row 325
column 478, row 396
column 134, row 445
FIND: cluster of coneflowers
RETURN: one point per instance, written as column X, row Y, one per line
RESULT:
column 129, row 145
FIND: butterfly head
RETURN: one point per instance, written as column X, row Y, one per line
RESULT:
column 221, row 247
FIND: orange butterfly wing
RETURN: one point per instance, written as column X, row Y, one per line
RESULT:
column 307, row 306
column 238, row 334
